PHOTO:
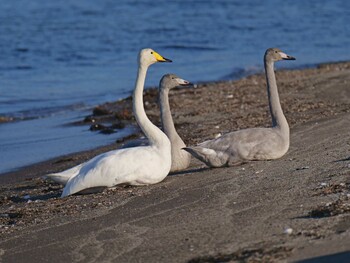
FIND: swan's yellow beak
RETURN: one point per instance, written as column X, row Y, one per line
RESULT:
column 160, row 58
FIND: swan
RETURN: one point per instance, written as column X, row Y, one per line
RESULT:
column 135, row 166
column 180, row 158
column 256, row 143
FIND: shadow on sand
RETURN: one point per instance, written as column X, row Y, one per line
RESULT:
column 343, row 257
column 191, row 171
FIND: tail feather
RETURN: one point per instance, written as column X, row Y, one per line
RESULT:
column 208, row 156
column 63, row 177
column 57, row 178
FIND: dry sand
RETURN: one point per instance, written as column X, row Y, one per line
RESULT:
column 294, row 208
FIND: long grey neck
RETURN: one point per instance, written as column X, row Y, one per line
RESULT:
column 278, row 119
column 165, row 114
column 152, row 132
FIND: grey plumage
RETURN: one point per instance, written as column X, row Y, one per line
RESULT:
column 251, row 144
column 180, row 159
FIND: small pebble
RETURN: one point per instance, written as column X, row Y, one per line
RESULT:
column 26, row 197
column 323, row 184
column 217, row 135
column 288, row 231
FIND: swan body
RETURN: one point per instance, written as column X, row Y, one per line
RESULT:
column 135, row 166
column 251, row 144
column 180, row 158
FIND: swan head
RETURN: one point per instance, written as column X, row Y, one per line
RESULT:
column 170, row 81
column 148, row 56
column 275, row 54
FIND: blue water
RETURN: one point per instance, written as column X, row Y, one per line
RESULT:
column 59, row 58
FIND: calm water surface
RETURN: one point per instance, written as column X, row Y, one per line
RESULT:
column 59, row 58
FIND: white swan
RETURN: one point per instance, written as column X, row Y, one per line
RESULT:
column 135, row 166
column 251, row 144
column 180, row 158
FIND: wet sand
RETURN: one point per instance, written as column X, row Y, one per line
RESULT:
column 293, row 208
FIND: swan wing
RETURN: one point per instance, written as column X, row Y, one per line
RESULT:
column 248, row 144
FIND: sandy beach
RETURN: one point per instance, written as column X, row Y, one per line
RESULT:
column 296, row 208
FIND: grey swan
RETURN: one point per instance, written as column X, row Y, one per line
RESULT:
column 180, row 158
column 256, row 143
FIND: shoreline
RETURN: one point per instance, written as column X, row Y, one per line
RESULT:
column 8, row 118
column 285, row 209
column 110, row 117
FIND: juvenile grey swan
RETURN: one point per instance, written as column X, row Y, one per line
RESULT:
column 251, row 144
column 180, row 159
column 135, row 166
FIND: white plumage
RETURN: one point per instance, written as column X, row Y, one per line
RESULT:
column 135, row 166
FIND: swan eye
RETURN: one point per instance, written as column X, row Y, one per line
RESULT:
column 275, row 51
column 152, row 52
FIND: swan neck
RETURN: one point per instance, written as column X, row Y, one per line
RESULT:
column 152, row 132
column 166, row 117
column 278, row 119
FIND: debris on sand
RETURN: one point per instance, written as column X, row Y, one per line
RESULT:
column 302, row 168
column 332, row 188
column 266, row 254
column 340, row 206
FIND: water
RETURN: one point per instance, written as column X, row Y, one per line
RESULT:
column 59, row 58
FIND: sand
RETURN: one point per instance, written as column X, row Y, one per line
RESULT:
column 296, row 208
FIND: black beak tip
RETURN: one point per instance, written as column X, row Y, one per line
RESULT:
column 187, row 84
column 289, row 58
column 167, row 60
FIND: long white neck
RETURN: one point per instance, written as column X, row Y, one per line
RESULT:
column 167, row 120
column 279, row 121
column 152, row 132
